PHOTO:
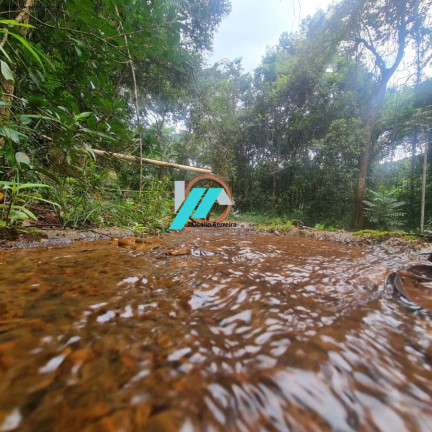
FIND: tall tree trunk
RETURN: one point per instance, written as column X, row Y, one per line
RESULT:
column 8, row 87
column 274, row 188
column 414, row 144
column 377, row 101
column 246, row 188
column 423, row 197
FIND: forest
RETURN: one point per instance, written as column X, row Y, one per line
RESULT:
column 332, row 129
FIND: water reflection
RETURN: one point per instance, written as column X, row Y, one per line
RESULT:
column 240, row 332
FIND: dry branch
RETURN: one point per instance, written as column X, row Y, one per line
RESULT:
column 152, row 161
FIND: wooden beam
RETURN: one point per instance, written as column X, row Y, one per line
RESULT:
column 151, row 161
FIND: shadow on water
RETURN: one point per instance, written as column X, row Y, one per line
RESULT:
column 216, row 330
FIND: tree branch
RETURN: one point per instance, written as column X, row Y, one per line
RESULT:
column 402, row 33
column 387, row 72
column 378, row 58
column 82, row 32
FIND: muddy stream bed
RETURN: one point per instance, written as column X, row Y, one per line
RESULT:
column 209, row 330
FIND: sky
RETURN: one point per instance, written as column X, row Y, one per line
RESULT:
column 253, row 25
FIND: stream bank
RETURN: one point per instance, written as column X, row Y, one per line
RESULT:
column 391, row 243
column 29, row 238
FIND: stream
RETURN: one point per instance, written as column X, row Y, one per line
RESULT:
column 209, row 330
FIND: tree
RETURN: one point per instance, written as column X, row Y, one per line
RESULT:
column 214, row 119
column 404, row 123
column 383, row 29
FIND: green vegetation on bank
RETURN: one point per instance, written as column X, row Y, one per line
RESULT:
column 114, row 75
column 308, row 138
column 384, row 235
column 294, row 227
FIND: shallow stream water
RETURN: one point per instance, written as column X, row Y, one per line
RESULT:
column 209, row 330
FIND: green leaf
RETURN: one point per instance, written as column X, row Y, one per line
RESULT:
column 11, row 134
column 22, row 158
column 40, row 199
column 24, row 210
column 5, row 54
column 47, row 173
column 38, row 116
column 15, row 23
column 41, row 76
column 17, row 186
column 34, row 79
column 78, row 51
column 82, row 115
column 87, row 150
column 31, row 185
column 15, row 214
column 26, row 44
column 2, row 223
column 25, row 121
column 99, row 134
column 6, row 71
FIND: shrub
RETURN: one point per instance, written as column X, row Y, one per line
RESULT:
column 383, row 209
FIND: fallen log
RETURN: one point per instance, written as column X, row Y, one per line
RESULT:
column 151, row 161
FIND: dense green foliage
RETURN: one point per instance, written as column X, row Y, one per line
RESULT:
column 292, row 137
column 67, row 88
column 384, row 210
column 303, row 137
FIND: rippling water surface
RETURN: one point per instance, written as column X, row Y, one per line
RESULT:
column 216, row 330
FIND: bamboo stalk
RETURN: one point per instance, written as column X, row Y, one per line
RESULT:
column 151, row 161
column 7, row 87
column 137, row 114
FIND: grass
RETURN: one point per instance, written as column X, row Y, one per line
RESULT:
column 255, row 218
column 378, row 235
column 16, row 233
column 267, row 223
column 281, row 225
